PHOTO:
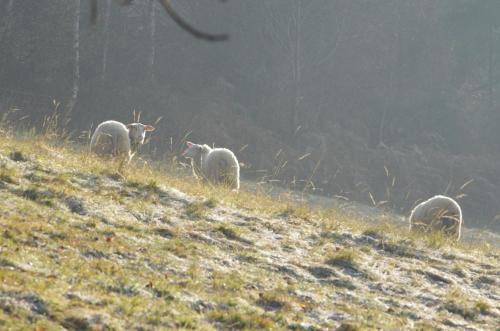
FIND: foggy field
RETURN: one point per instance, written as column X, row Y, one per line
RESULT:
column 340, row 116
column 388, row 101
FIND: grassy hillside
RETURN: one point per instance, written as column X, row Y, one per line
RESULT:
column 86, row 246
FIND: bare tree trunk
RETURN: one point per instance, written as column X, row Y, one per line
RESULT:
column 107, row 17
column 297, row 70
column 76, row 64
column 390, row 89
column 491, row 54
column 152, row 53
column 9, row 7
column 7, row 19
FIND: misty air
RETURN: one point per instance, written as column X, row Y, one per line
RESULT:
column 249, row 165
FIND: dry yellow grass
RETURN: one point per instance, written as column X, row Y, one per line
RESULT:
column 87, row 243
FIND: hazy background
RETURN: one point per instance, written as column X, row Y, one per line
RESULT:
column 380, row 101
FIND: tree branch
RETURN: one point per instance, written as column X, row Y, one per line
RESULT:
column 183, row 24
column 189, row 28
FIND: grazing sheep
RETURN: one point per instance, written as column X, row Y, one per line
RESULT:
column 216, row 165
column 117, row 139
column 439, row 213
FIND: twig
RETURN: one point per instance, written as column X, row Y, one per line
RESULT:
column 189, row 28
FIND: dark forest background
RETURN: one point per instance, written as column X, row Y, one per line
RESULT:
column 384, row 102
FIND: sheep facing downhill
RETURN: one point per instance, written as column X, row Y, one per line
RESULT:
column 215, row 165
column 112, row 138
column 439, row 213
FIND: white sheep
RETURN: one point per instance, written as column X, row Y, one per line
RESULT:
column 117, row 139
column 216, row 165
column 439, row 213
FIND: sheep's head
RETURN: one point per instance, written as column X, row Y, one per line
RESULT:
column 194, row 151
column 137, row 133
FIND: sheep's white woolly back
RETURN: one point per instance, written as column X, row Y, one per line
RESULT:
column 220, row 165
column 111, row 138
column 428, row 212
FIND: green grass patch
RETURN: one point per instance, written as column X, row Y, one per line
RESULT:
column 211, row 203
column 456, row 303
column 229, row 232
column 238, row 319
column 345, row 258
column 227, row 281
column 274, row 300
column 458, row 270
column 8, row 175
column 483, row 307
column 196, row 209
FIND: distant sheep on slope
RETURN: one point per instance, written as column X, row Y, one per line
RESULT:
column 117, row 139
column 439, row 213
column 216, row 165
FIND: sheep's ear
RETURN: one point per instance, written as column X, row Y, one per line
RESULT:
column 149, row 128
column 189, row 144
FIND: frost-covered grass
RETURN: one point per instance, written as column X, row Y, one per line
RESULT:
column 87, row 243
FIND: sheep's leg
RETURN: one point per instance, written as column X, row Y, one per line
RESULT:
column 124, row 161
column 94, row 143
column 130, row 156
column 114, row 145
column 99, row 145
